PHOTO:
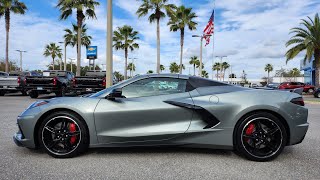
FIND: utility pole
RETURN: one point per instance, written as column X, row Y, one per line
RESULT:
column 109, row 62
column 21, row 51
column 201, row 42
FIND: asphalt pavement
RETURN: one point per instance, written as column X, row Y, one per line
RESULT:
column 301, row 161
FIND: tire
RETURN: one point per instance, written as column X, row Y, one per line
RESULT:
column 34, row 94
column 317, row 95
column 64, row 147
column 24, row 93
column 260, row 136
column 311, row 91
column 2, row 93
column 62, row 91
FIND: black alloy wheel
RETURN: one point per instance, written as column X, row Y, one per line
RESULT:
column 63, row 135
column 261, row 137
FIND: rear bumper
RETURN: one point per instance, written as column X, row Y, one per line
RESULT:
column 43, row 89
column 299, row 134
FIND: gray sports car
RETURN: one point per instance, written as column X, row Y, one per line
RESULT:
column 163, row 110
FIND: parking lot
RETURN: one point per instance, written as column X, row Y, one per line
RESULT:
column 301, row 161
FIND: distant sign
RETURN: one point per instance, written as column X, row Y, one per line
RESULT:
column 92, row 52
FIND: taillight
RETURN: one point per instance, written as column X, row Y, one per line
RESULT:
column 74, row 81
column 25, row 80
column 298, row 101
column 104, row 82
column 19, row 80
column 55, row 81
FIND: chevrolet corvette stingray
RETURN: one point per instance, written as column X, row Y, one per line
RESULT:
column 166, row 110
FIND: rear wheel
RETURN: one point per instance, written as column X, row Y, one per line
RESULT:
column 310, row 91
column 317, row 95
column 63, row 135
column 2, row 93
column 34, row 94
column 260, row 137
column 24, row 93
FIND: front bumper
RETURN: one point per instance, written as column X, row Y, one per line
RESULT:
column 25, row 135
column 17, row 138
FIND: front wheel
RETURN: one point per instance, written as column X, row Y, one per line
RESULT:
column 311, row 91
column 317, row 95
column 63, row 135
column 2, row 93
column 260, row 137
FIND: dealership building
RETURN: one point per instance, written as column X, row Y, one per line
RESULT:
column 309, row 71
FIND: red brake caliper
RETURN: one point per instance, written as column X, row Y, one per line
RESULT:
column 72, row 129
column 250, row 130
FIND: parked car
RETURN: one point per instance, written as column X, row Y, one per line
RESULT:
column 317, row 93
column 273, row 85
column 93, row 81
column 14, row 82
column 294, row 85
column 58, row 82
column 169, row 110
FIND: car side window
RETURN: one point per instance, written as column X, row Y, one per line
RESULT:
column 154, row 87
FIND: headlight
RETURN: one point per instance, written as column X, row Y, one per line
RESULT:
column 38, row 103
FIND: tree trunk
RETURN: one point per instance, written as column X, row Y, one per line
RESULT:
column 217, row 74
column 125, row 63
column 317, row 61
column 194, row 69
column 60, row 64
column 181, row 49
column 268, row 77
column 7, row 18
column 224, row 72
column 158, row 46
column 79, row 22
column 52, row 63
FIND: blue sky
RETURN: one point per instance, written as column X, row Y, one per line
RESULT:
column 250, row 33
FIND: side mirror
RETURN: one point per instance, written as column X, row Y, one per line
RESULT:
column 115, row 93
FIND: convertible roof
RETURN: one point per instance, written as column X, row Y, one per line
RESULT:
column 196, row 82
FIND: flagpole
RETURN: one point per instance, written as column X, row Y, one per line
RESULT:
column 213, row 39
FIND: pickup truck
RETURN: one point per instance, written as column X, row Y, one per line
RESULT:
column 93, row 81
column 294, row 85
column 14, row 82
column 58, row 82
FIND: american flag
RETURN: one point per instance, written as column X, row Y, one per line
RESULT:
column 209, row 30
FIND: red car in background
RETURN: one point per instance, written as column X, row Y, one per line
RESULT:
column 293, row 85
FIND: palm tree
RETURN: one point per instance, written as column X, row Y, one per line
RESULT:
column 124, row 38
column 162, row 68
column 181, row 18
column 225, row 66
column 71, row 36
column 174, row 68
column 6, row 8
column 194, row 61
column 118, row 75
column 53, row 51
column 295, row 72
column 216, row 67
column 150, row 72
column 84, row 10
column 268, row 68
column 156, row 8
column 306, row 39
column 204, row 74
column 131, row 67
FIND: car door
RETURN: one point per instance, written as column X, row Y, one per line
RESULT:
column 143, row 115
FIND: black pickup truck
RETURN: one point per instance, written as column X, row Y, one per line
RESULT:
column 93, row 81
column 58, row 82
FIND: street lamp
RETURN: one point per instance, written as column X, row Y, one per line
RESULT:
column 65, row 56
column 221, row 57
column 109, row 62
column 20, row 51
column 201, row 40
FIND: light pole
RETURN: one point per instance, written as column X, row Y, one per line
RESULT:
column 201, row 42
column 109, row 61
column 20, row 51
column 221, row 57
column 65, row 56
column 71, row 59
